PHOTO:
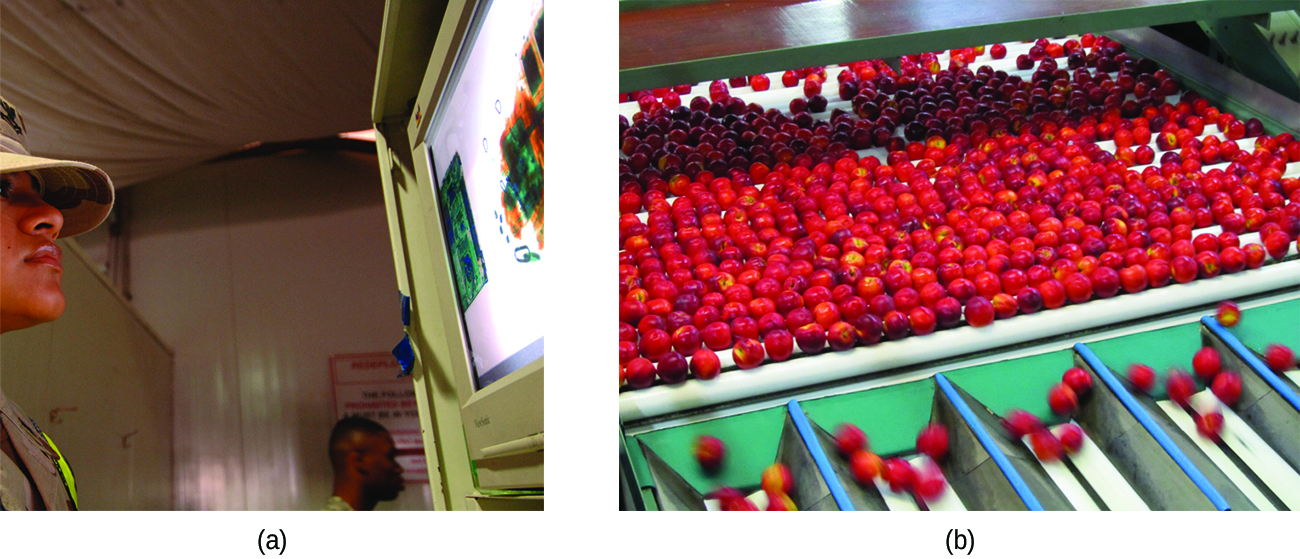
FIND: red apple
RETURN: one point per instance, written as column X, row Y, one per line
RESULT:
column 747, row 353
column 865, row 466
column 923, row 320
column 947, row 312
column 640, row 373
column 1062, row 400
column 1206, row 363
column 1046, row 446
column 849, row 438
column 979, row 312
column 779, row 344
column 1232, row 259
column 933, row 441
column 811, row 338
column 1279, row 357
column 777, row 479
column 841, row 336
column 1071, row 437
column 1133, row 278
column 1228, row 314
column 1078, row 288
column 1227, row 387
column 1142, row 377
column 897, row 325
column 998, row 51
column 655, row 344
column 1255, row 254
column 1053, row 293
column 1105, row 282
column 1019, row 423
column 672, row 368
column 705, row 364
column 930, row 482
column 1184, row 268
column 1078, row 380
column 687, row 339
column 717, row 336
column 709, row 452
column 1158, row 273
column 1277, row 244
column 1209, row 425
column 900, row 474
column 1180, row 387
column 1005, row 305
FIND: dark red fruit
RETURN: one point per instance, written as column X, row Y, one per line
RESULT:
column 1078, row 380
column 849, row 438
column 933, row 441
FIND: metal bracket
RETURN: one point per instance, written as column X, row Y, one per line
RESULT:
column 1251, row 54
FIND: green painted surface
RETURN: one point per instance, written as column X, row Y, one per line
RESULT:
column 1278, row 323
column 1020, row 383
column 891, row 416
column 1159, row 349
column 751, row 441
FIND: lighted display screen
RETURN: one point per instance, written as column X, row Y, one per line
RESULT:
column 487, row 155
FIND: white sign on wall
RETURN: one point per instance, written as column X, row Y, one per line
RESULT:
column 366, row 385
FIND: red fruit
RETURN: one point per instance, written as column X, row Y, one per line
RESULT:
column 705, row 364
column 947, row 311
column 717, row 336
column 1142, row 377
column 779, row 344
column 897, row 325
column 687, row 339
column 1255, row 254
column 1133, row 278
column 709, row 452
column 789, row 79
column 1019, row 423
column 979, row 312
column 1062, row 400
column 930, row 482
column 849, row 438
column 739, row 505
column 1105, row 282
column 923, row 320
column 780, row 503
column 998, row 51
column 1277, row 244
column 1005, row 305
column 728, row 497
column 1184, row 268
column 1209, row 425
column 1071, row 437
column 900, row 475
column 1279, row 357
column 777, row 479
column 1078, row 288
column 640, row 373
column 1053, row 293
column 1180, row 387
column 1227, row 387
column 1046, row 446
column 933, row 441
column 759, row 82
column 1078, row 380
column 747, row 353
column 1206, row 363
column 841, row 336
column 672, row 368
column 1228, row 314
column 865, row 466
column 811, row 338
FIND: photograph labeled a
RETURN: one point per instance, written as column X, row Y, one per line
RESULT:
column 865, row 265
column 294, row 267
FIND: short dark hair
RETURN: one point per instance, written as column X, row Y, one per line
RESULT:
column 343, row 433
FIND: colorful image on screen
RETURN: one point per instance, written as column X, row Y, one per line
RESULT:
column 487, row 149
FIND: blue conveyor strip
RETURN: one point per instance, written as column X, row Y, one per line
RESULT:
column 1249, row 357
column 1159, row 434
column 819, row 456
column 990, row 446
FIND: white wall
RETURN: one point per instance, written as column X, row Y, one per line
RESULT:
column 101, row 359
column 255, row 271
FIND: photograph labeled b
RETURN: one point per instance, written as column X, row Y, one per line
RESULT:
column 866, row 265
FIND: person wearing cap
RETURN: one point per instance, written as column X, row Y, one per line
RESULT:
column 41, row 200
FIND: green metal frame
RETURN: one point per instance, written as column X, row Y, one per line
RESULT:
column 1241, row 42
column 702, row 70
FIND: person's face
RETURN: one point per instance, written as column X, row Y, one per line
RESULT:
column 379, row 466
column 31, row 266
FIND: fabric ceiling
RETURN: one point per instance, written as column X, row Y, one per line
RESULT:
column 144, row 88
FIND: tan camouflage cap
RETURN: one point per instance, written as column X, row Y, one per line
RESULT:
column 81, row 191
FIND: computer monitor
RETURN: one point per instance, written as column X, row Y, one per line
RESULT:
column 462, row 159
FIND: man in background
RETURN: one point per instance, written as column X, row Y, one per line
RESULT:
column 365, row 465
